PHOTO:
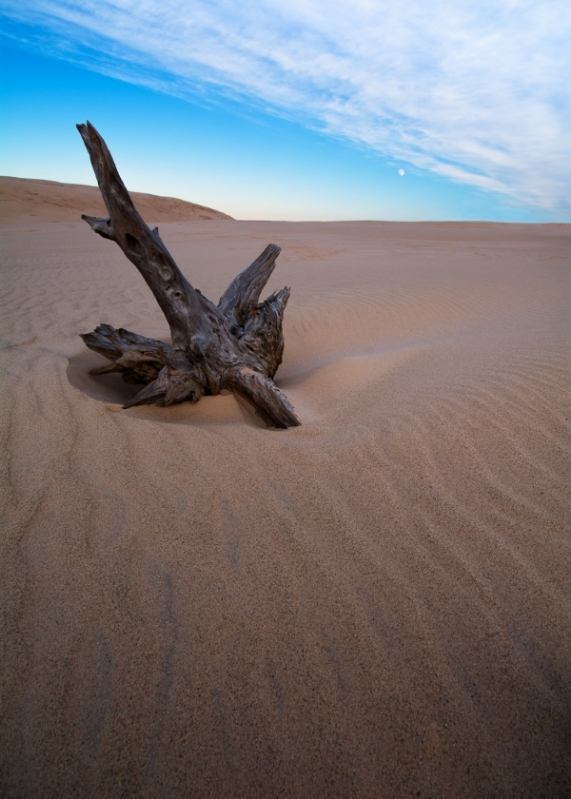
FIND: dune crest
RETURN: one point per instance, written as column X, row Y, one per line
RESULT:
column 24, row 200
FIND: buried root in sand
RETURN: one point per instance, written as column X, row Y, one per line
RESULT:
column 236, row 346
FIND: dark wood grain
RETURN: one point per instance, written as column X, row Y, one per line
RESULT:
column 236, row 345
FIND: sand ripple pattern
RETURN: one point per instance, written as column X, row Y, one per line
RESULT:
column 376, row 604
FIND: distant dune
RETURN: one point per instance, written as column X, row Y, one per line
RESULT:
column 23, row 200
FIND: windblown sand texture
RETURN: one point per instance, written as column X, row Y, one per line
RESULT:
column 375, row 604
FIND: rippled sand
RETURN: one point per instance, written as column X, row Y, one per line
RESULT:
column 376, row 604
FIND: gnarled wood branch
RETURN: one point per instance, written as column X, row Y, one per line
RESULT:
column 237, row 345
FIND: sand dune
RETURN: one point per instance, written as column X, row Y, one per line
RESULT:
column 23, row 200
column 375, row 604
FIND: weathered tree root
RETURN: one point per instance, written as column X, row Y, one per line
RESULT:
column 237, row 345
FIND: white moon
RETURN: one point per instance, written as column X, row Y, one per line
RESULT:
column 401, row 172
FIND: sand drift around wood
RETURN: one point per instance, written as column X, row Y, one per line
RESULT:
column 235, row 346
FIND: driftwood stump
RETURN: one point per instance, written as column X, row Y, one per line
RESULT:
column 235, row 346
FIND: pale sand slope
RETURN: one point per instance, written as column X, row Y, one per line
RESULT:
column 376, row 604
column 32, row 201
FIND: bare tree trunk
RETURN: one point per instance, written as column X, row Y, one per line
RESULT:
column 237, row 345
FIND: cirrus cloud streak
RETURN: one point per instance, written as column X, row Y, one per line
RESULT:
column 473, row 92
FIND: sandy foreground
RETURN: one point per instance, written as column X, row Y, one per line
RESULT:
column 375, row 604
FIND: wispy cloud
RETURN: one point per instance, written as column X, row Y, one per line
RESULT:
column 475, row 92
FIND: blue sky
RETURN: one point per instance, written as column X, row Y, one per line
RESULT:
column 307, row 110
